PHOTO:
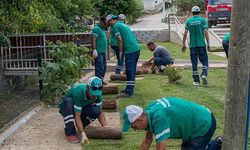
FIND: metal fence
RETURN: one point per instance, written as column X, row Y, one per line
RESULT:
column 21, row 57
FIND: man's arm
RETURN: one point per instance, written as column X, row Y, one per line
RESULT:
column 102, row 119
column 150, row 60
column 184, row 41
column 120, row 44
column 147, row 141
column 207, row 38
column 78, row 120
column 94, row 43
column 160, row 146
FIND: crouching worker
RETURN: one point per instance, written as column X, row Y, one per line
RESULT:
column 82, row 104
column 161, row 56
column 173, row 118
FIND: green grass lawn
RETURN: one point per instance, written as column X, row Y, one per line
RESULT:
column 157, row 86
column 175, row 51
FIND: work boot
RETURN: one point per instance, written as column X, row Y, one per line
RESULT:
column 196, row 83
column 123, row 95
column 104, row 83
column 204, row 80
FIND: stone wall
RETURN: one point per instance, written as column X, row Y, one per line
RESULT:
column 143, row 36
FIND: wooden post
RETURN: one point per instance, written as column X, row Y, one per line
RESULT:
column 110, row 89
column 236, row 103
column 103, row 133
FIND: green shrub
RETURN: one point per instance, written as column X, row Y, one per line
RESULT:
column 64, row 70
column 173, row 74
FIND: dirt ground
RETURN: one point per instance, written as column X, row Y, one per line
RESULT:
column 45, row 131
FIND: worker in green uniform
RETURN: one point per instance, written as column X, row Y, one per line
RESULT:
column 82, row 104
column 173, row 118
column 100, row 46
column 128, row 44
column 225, row 43
column 197, row 27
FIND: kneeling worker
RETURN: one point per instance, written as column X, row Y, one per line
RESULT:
column 161, row 56
column 82, row 104
column 173, row 118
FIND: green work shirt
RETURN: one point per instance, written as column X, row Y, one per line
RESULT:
column 196, row 26
column 129, row 41
column 78, row 94
column 101, row 39
column 113, row 39
column 227, row 37
column 175, row 118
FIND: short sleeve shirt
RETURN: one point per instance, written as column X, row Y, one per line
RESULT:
column 78, row 94
column 101, row 39
column 175, row 118
column 196, row 26
column 227, row 37
column 113, row 39
column 163, row 53
column 130, row 43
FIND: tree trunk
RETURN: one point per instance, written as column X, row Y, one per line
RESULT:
column 236, row 103
column 118, row 77
column 109, row 104
column 103, row 133
column 110, row 89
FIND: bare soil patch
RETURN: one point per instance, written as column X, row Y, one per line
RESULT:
column 45, row 131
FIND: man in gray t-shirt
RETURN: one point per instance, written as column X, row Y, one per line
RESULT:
column 161, row 56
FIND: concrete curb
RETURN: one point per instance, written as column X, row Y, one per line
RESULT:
column 10, row 131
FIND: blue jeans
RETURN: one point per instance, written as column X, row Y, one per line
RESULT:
column 158, row 61
column 100, row 65
column 201, row 53
column 119, row 60
column 89, row 114
column 225, row 45
column 203, row 142
column 131, row 60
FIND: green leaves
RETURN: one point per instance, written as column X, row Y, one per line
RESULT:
column 131, row 8
column 64, row 71
column 173, row 74
column 33, row 16
column 186, row 5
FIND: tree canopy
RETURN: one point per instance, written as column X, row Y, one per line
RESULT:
column 131, row 8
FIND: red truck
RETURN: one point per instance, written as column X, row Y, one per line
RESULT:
column 218, row 11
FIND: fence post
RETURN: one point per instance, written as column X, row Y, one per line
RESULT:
column 1, row 63
column 39, row 63
column 169, row 28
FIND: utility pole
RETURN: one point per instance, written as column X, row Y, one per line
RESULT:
column 236, row 101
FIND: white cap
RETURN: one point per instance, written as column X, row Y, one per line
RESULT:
column 133, row 112
column 196, row 9
column 121, row 16
column 130, row 115
column 110, row 16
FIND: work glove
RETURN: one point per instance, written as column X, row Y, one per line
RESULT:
column 183, row 49
column 94, row 54
column 84, row 139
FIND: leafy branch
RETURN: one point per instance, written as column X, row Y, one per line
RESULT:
column 64, row 70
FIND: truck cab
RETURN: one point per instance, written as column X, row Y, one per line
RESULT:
column 218, row 11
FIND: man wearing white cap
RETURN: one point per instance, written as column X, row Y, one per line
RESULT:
column 121, row 18
column 128, row 44
column 82, row 104
column 173, row 118
column 197, row 26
